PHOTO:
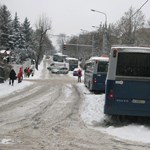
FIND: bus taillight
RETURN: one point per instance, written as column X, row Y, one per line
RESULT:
column 115, row 53
column 111, row 95
column 94, row 80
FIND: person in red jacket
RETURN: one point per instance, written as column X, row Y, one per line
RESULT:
column 79, row 75
column 28, row 72
column 20, row 75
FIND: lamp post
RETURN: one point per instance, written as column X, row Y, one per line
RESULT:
column 101, row 13
column 105, row 41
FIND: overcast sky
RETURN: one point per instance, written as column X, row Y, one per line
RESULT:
column 69, row 16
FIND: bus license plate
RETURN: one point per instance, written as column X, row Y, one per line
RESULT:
column 138, row 101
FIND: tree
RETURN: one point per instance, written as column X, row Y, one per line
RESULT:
column 48, row 46
column 18, row 38
column 27, row 33
column 42, row 27
column 129, row 24
column 5, row 26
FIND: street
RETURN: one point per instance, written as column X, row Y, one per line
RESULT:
column 47, row 116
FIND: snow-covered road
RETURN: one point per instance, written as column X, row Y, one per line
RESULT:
column 54, row 112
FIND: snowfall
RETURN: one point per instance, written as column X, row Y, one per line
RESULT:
column 92, row 112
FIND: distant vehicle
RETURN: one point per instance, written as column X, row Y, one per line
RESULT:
column 59, row 57
column 95, row 73
column 75, row 72
column 57, row 65
column 128, row 82
column 73, row 63
column 62, row 70
column 47, row 57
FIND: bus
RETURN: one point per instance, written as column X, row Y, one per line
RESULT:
column 95, row 73
column 73, row 63
column 59, row 57
column 128, row 82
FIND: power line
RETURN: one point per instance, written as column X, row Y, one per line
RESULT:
column 139, row 9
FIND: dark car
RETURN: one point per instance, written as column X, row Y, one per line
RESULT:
column 75, row 72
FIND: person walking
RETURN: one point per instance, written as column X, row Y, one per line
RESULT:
column 28, row 72
column 79, row 75
column 20, row 75
column 12, row 77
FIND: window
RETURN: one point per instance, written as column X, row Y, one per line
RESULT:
column 89, row 67
column 102, row 66
column 73, row 61
column 133, row 64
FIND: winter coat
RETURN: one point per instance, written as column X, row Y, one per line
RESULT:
column 12, row 74
column 79, row 73
column 20, row 72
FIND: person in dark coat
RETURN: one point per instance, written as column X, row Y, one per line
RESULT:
column 12, row 76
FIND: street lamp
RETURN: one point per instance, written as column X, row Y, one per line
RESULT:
column 101, row 13
column 105, row 41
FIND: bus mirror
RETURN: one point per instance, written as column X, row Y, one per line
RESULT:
column 114, row 53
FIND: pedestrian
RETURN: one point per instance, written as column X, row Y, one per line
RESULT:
column 79, row 75
column 28, row 72
column 12, row 77
column 20, row 75
column 25, row 72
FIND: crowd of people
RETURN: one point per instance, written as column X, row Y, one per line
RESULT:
column 13, row 75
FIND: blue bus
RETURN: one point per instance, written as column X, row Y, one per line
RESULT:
column 73, row 63
column 128, row 82
column 95, row 73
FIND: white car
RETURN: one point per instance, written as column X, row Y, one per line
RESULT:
column 57, row 65
column 62, row 70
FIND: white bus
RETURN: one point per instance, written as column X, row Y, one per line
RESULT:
column 128, row 82
column 59, row 57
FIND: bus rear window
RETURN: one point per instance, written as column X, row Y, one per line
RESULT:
column 133, row 64
column 102, row 66
column 73, row 61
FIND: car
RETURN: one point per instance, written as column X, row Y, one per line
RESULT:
column 75, row 71
column 55, row 65
column 51, row 66
column 62, row 70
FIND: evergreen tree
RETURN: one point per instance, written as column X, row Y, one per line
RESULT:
column 5, row 27
column 18, row 37
column 27, row 33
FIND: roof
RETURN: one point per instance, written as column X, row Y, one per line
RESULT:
column 71, row 58
column 129, row 47
column 132, row 49
column 99, row 58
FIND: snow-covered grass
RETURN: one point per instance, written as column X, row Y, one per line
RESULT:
column 91, row 112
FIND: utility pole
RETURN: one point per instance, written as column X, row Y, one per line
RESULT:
column 105, row 40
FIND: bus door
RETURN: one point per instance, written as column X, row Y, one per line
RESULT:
column 88, row 74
